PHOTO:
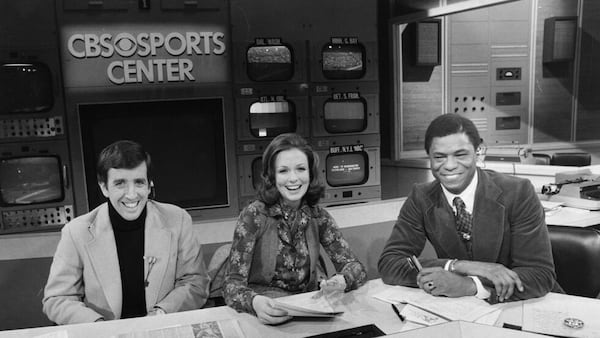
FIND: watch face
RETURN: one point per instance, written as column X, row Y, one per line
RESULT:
column 573, row 323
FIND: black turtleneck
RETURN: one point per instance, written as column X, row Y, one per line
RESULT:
column 129, row 238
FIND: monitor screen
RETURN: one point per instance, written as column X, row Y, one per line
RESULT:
column 347, row 169
column 25, row 88
column 269, row 119
column 270, row 63
column 345, row 116
column 185, row 139
column 30, row 180
column 343, row 61
column 256, row 172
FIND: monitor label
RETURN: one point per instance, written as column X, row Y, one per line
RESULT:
column 267, row 41
column 345, row 40
column 345, row 96
column 351, row 148
column 272, row 98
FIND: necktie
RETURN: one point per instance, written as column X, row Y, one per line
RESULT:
column 464, row 224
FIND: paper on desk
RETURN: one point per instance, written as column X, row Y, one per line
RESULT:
column 228, row 328
column 489, row 319
column 419, row 316
column 547, row 314
column 56, row 334
column 305, row 305
column 461, row 308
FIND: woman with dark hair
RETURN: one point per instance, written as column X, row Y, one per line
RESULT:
column 277, row 240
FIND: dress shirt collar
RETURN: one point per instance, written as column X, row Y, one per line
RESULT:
column 468, row 195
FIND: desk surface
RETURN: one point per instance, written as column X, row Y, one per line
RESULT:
column 359, row 306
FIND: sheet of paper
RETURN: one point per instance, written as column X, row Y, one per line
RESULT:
column 309, row 304
column 416, row 315
column 489, row 319
column 211, row 329
column 57, row 334
column 547, row 315
column 462, row 308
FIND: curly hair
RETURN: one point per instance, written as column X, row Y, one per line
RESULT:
column 448, row 124
column 267, row 191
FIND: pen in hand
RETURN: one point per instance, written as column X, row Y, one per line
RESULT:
column 413, row 261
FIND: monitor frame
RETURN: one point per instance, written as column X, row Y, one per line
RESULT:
column 117, row 95
column 43, row 216
column 26, row 126
column 243, row 104
column 240, row 70
column 367, row 93
column 368, row 191
column 370, row 60
column 38, row 66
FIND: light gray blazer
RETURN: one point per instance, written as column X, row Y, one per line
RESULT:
column 85, row 281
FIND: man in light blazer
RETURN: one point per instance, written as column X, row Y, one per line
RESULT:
column 505, row 253
column 130, row 256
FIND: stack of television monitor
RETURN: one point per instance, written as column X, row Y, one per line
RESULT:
column 35, row 189
column 337, row 110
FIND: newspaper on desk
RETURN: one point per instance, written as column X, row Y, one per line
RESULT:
column 212, row 329
column 426, row 309
column 550, row 315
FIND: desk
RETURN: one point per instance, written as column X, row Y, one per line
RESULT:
column 360, row 308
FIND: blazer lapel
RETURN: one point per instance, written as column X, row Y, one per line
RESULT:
column 157, row 245
column 443, row 225
column 102, row 252
column 488, row 220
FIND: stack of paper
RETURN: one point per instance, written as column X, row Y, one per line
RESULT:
column 307, row 305
column 426, row 309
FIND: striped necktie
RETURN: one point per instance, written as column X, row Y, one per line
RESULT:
column 464, row 224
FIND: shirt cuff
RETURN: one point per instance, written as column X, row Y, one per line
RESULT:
column 447, row 265
column 482, row 292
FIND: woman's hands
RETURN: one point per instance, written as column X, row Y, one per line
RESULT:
column 335, row 283
column 267, row 313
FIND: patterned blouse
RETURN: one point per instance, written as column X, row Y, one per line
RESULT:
column 292, row 268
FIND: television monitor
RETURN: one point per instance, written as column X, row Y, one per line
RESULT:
column 269, row 119
column 270, row 62
column 35, row 189
column 345, row 116
column 29, row 180
column 347, row 169
column 25, row 88
column 186, row 139
column 261, row 117
column 343, row 61
column 351, row 172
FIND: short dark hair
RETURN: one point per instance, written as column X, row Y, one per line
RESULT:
column 123, row 154
column 267, row 191
column 452, row 123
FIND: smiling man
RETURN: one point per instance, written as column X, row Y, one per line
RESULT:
column 488, row 229
column 130, row 256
